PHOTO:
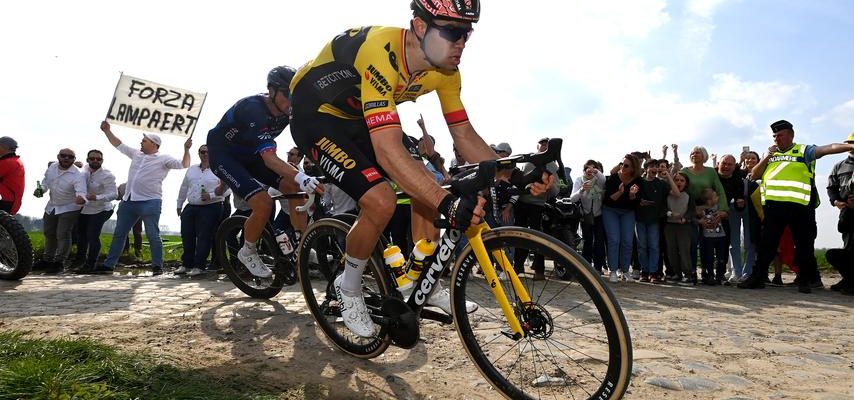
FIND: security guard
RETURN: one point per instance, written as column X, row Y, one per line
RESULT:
column 789, row 198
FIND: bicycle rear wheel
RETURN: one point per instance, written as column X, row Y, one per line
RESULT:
column 229, row 239
column 577, row 342
column 16, row 251
column 320, row 260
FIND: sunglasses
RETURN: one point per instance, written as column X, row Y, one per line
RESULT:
column 627, row 165
column 203, row 152
column 67, row 156
column 95, row 159
column 452, row 33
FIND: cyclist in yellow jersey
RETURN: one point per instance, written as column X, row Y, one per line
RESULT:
column 344, row 117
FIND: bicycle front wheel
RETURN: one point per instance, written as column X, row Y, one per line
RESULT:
column 576, row 342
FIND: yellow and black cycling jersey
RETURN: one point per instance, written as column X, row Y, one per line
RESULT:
column 363, row 74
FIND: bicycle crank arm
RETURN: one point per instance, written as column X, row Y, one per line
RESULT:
column 437, row 316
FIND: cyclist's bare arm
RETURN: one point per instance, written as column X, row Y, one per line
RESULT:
column 279, row 166
column 470, row 145
column 473, row 149
column 409, row 174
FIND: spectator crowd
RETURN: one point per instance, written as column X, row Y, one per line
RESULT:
column 643, row 219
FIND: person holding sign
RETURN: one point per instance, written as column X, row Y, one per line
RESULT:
column 242, row 154
column 143, row 195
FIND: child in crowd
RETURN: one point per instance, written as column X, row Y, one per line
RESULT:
column 677, row 233
column 714, row 241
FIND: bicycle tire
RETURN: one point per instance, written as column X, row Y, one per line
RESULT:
column 325, row 238
column 587, row 353
column 16, row 250
column 229, row 239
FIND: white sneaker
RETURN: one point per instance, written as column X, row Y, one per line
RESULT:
column 613, row 277
column 354, row 312
column 181, row 270
column 629, row 277
column 253, row 263
column 734, row 280
column 442, row 299
column 195, row 271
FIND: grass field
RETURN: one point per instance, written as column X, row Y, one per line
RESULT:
column 83, row 369
column 172, row 248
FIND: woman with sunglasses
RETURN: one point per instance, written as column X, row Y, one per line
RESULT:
column 345, row 117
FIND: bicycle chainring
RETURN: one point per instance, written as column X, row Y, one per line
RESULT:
column 404, row 329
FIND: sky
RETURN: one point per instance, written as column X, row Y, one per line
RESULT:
column 608, row 77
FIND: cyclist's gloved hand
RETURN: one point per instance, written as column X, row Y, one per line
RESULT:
column 460, row 212
column 306, row 183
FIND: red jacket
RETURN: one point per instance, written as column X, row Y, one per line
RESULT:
column 12, row 180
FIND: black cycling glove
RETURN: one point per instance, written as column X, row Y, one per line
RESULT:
column 458, row 211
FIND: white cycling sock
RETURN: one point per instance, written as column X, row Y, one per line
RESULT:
column 249, row 246
column 351, row 284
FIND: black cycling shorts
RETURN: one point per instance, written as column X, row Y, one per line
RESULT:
column 341, row 148
column 246, row 176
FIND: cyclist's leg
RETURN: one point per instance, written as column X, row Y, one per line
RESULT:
column 349, row 163
column 236, row 173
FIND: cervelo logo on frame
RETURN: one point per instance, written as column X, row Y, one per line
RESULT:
column 446, row 248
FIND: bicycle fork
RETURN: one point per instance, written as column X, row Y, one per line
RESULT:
column 475, row 237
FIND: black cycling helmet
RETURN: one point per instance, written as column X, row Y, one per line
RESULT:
column 451, row 10
column 280, row 77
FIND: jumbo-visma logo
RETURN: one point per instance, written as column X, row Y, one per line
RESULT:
column 335, row 153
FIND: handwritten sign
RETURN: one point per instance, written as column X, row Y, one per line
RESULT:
column 153, row 107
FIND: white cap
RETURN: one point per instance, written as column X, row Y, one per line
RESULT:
column 153, row 137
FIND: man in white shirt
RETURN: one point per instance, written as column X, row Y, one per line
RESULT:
column 100, row 193
column 204, row 193
column 143, row 195
column 67, row 191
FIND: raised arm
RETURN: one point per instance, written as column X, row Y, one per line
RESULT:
column 186, row 160
column 105, row 127
column 833, row 148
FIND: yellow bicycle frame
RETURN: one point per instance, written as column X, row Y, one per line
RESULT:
column 474, row 234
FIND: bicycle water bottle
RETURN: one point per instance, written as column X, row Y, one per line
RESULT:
column 285, row 243
column 394, row 259
column 424, row 248
column 39, row 189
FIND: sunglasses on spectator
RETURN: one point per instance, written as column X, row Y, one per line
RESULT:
column 95, row 159
column 627, row 165
column 203, row 152
column 67, row 156
column 452, row 33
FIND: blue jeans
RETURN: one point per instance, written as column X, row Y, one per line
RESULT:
column 737, row 219
column 130, row 212
column 648, row 246
column 198, row 225
column 89, row 236
column 620, row 233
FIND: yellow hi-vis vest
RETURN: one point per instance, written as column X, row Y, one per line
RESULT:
column 788, row 177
